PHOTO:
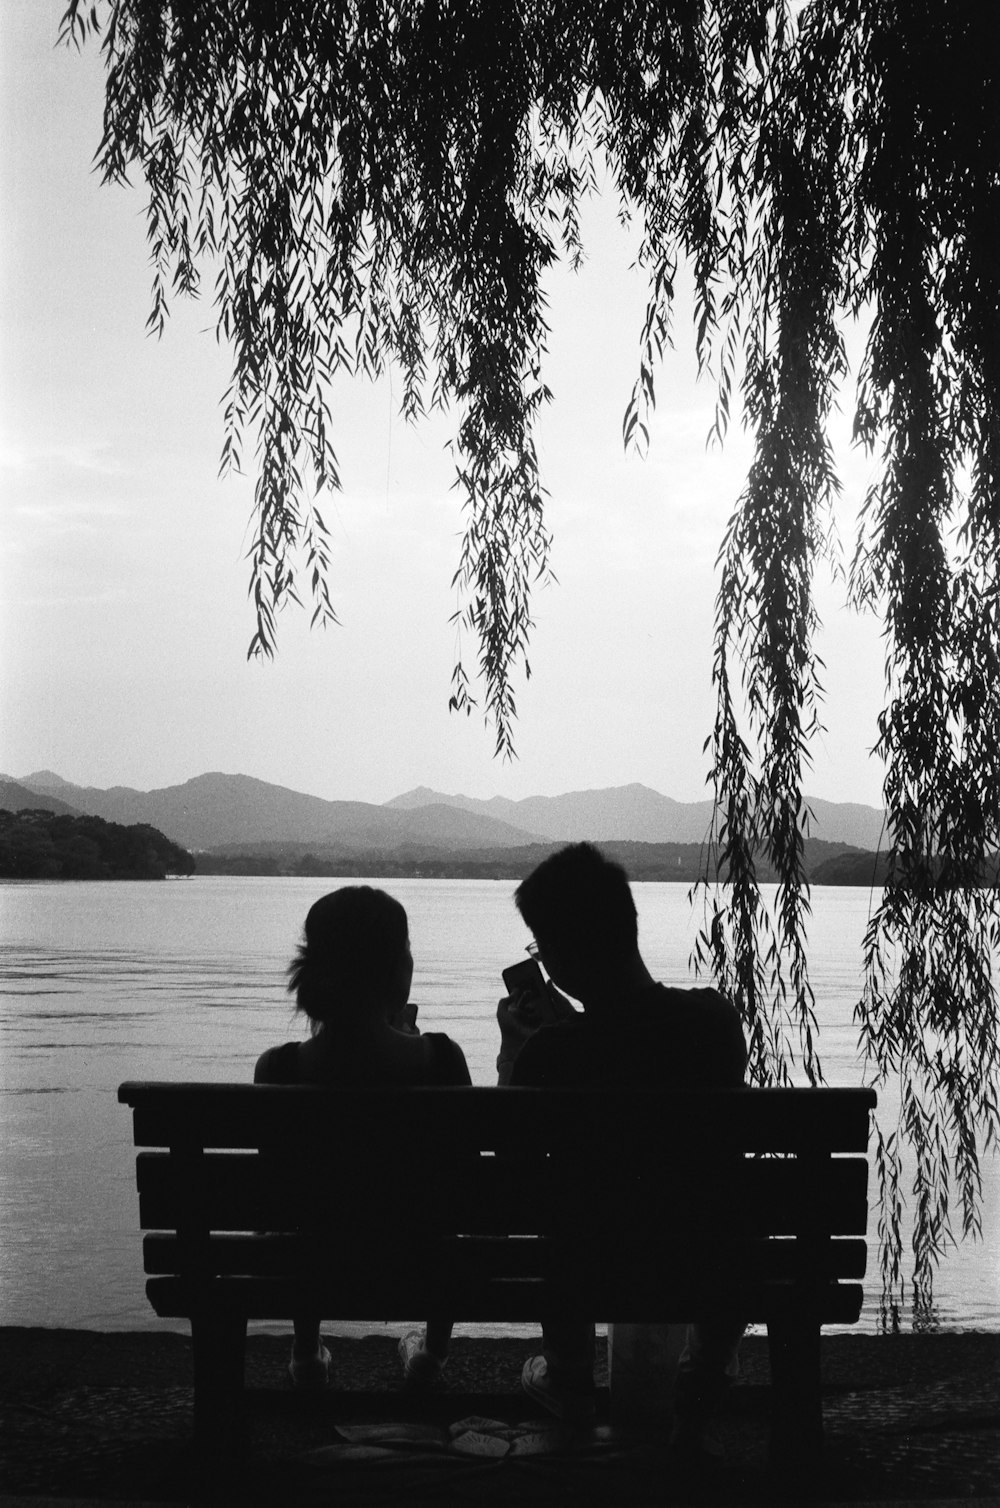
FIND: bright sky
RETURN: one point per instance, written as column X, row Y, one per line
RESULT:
column 125, row 620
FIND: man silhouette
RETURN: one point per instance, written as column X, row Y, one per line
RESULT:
column 631, row 1032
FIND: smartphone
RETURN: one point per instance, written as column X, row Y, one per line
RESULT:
column 526, row 979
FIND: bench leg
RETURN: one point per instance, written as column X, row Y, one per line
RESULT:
column 219, row 1345
column 796, row 1440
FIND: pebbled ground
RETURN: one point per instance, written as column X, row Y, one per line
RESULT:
column 911, row 1418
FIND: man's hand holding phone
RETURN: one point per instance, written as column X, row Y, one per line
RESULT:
column 529, row 993
column 531, row 1001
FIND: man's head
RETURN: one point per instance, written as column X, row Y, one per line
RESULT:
column 579, row 906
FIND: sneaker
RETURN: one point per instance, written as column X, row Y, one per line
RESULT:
column 421, row 1368
column 310, row 1372
column 571, row 1405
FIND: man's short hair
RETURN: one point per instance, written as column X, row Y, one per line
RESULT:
column 581, row 903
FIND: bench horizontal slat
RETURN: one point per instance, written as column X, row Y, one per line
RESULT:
column 505, row 1301
column 241, row 1115
column 245, row 1191
column 274, row 1255
column 271, row 1255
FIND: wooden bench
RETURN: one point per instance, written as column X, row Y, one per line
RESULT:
column 396, row 1204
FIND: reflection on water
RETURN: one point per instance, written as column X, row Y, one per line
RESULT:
column 186, row 980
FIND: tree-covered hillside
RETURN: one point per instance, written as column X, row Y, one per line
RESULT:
column 41, row 845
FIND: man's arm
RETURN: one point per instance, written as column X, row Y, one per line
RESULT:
column 516, row 1028
column 520, row 1018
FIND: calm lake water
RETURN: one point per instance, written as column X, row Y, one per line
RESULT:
column 185, row 980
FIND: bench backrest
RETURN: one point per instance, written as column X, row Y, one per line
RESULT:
column 468, row 1198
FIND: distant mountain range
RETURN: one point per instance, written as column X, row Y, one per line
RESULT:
column 637, row 814
column 216, row 811
column 212, row 810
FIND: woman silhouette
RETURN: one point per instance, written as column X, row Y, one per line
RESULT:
column 351, row 977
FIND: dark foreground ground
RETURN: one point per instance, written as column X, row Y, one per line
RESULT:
column 88, row 1415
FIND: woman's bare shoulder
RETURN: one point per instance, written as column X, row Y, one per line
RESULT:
column 278, row 1065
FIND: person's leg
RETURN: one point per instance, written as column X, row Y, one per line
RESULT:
column 643, row 1362
column 423, row 1356
column 437, row 1336
column 708, row 1368
column 310, row 1363
column 568, row 1346
column 713, row 1349
column 562, row 1378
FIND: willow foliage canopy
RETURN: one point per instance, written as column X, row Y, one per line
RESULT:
column 369, row 182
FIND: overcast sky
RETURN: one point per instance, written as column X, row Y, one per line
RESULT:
column 125, row 619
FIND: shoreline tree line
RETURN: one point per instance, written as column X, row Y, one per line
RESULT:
column 36, row 844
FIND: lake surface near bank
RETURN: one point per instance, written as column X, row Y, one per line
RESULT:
column 185, row 979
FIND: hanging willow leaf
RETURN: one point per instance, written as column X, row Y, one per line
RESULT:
column 387, row 181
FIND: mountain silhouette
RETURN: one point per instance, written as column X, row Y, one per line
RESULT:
column 216, row 810
column 635, row 813
column 628, row 812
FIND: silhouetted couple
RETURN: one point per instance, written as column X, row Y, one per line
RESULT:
column 352, row 979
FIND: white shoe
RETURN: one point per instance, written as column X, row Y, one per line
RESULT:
column 568, row 1404
column 310, row 1372
column 421, row 1368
